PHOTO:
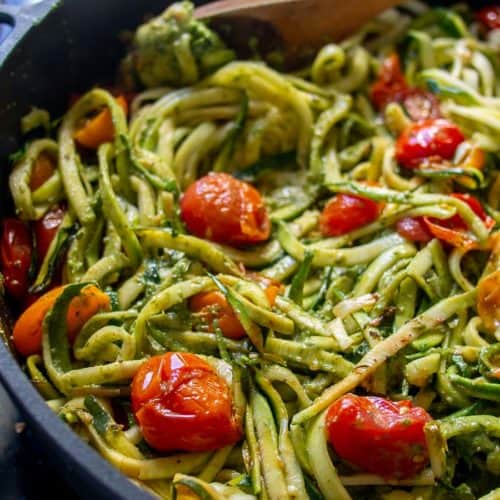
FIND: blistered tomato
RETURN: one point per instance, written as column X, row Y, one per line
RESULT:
column 378, row 435
column 181, row 403
column 220, row 208
column 428, row 139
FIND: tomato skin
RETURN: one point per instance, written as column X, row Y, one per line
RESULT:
column 379, row 436
column 488, row 300
column 390, row 83
column 419, row 104
column 346, row 212
column 15, row 256
column 271, row 287
column 213, row 306
column 454, row 230
column 489, row 16
column 100, row 128
column 46, row 229
column 182, row 404
column 413, row 229
column 423, row 140
column 392, row 86
column 220, row 208
column 27, row 332
column 43, row 168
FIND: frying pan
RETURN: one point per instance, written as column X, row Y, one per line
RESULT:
column 57, row 47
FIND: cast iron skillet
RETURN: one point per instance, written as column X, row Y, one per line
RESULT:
column 57, row 47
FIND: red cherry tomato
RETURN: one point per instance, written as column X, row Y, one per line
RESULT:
column 346, row 212
column 391, row 86
column 220, row 208
column 379, row 436
column 15, row 256
column 182, row 404
column 490, row 16
column 427, row 139
column 413, row 229
column 213, row 306
column 46, row 229
column 391, row 82
column 454, row 230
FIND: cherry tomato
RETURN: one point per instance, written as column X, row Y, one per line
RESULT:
column 413, row 229
column 454, row 230
column 100, row 128
column 212, row 306
column 272, row 288
column 181, row 403
column 391, row 86
column 490, row 16
column 379, row 436
column 27, row 333
column 391, row 82
column 424, row 140
column 15, row 256
column 346, row 212
column 488, row 300
column 43, row 168
column 419, row 104
column 46, row 229
column 475, row 158
column 220, row 208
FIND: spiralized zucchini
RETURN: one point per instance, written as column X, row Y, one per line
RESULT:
column 365, row 311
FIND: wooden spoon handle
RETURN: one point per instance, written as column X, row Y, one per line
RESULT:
column 299, row 22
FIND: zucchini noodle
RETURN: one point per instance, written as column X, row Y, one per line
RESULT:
column 365, row 311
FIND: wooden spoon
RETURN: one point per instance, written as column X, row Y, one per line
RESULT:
column 296, row 27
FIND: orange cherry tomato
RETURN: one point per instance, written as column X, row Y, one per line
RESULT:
column 212, row 306
column 43, row 168
column 488, row 300
column 346, row 212
column 220, row 208
column 490, row 16
column 181, row 403
column 475, row 158
column 27, row 333
column 99, row 129
column 454, row 230
column 427, row 139
column 414, row 229
column 272, row 288
column 45, row 230
column 379, row 436
column 15, row 256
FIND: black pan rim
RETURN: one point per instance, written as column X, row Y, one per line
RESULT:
column 79, row 459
